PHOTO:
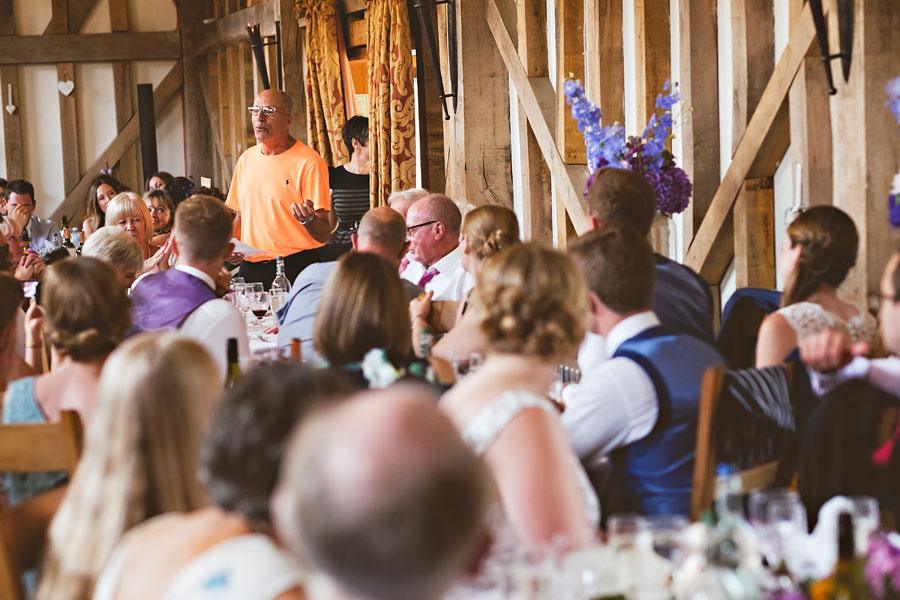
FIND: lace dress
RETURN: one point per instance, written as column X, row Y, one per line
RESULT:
column 480, row 433
column 809, row 318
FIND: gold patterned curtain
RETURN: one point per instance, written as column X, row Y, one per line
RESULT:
column 392, row 113
column 324, row 90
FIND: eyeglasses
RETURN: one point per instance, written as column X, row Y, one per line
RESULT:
column 411, row 230
column 267, row 111
column 876, row 298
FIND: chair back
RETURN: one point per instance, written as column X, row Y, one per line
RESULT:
column 27, row 447
column 746, row 420
column 743, row 314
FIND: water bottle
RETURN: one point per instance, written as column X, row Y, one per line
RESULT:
column 280, row 283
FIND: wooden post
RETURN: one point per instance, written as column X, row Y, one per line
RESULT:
column 753, row 58
column 293, row 57
column 531, row 18
column 12, row 124
column 477, row 137
column 605, row 67
column 699, row 83
column 811, row 146
column 431, row 115
column 754, row 234
column 68, row 116
column 123, row 84
column 867, row 148
column 652, row 55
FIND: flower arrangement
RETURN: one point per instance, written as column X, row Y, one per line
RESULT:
column 893, row 92
column 883, row 565
column 608, row 146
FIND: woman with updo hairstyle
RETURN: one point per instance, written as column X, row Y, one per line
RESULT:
column 162, row 215
column 532, row 306
column 486, row 231
column 816, row 255
column 85, row 316
column 102, row 191
column 155, row 400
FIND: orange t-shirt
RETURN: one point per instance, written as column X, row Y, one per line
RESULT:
column 263, row 189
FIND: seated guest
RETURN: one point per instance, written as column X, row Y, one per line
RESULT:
column 433, row 223
column 11, row 299
column 117, row 249
column 12, row 223
column 404, row 521
column 818, row 252
column 21, row 193
column 185, row 297
column 681, row 299
column 128, row 212
column 364, row 307
column 402, row 200
column 227, row 546
column 640, row 405
column 381, row 232
column 162, row 209
column 87, row 315
column 158, row 181
column 139, row 456
column 349, row 183
column 100, row 194
column 26, row 264
column 486, row 231
column 533, row 307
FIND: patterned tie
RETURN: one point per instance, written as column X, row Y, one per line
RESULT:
column 403, row 264
column 427, row 276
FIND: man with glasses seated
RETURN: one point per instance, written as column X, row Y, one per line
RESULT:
column 433, row 263
column 277, row 183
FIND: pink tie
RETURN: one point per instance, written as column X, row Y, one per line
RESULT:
column 427, row 276
column 403, row 264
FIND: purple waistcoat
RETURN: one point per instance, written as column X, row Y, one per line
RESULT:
column 166, row 299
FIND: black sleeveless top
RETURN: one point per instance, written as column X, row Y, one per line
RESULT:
column 349, row 201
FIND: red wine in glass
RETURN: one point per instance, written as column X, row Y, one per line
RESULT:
column 260, row 313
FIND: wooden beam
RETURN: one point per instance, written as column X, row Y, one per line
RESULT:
column 430, row 121
column 534, row 175
column 197, row 132
column 699, row 83
column 123, row 85
column 12, row 124
column 68, row 119
column 7, row 18
column 753, row 58
column 209, row 90
column 89, row 47
column 605, row 76
column 761, row 146
column 234, row 99
column 754, row 234
column 231, row 29
column 293, row 58
column 77, row 14
column 73, row 205
column 59, row 17
column 652, row 55
column 536, row 119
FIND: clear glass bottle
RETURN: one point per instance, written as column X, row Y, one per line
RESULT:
column 280, row 282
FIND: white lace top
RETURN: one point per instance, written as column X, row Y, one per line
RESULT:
column 809, row 318
column 480, row 433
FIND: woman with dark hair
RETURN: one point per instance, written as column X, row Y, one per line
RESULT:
column 162, row 215
column 158, row 181
column 180, row 189
column 816, row 255
column 349, row 183
column 228, row 544
column 102, row 191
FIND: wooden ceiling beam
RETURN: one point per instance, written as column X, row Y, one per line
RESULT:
column 89, row 47
column 231, row 30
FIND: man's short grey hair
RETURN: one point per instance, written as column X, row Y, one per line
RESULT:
column 114, row 247
column 407, row 195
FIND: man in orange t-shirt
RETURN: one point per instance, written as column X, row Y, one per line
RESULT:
column 280, row 193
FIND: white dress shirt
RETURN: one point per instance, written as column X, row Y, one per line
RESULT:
column 213, row 322
column 615, row 403
column 452, row 282
column 883, row 373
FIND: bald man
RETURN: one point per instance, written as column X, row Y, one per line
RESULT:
column 380, row 497
column 382, row 231
column 433, row 224
column 274, row 182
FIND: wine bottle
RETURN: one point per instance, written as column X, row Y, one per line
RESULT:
column 67, row 239
column 847, row 580
column 280, row 283
column 233, row 370
column 296, row 351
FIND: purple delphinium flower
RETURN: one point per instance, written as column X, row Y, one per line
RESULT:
column 894, row 210
column 893, row 92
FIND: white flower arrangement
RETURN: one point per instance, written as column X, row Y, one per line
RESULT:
column 378, row 370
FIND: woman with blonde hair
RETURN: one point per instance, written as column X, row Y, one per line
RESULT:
column 486, row 231
column 818, row 251
column 533, row 312
column 140, row 457
column 117, row 249
column 85, row 316
column 128, row 212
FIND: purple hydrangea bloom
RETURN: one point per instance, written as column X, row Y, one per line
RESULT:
column 893, row 92
column 673, row 189
column 894, row 210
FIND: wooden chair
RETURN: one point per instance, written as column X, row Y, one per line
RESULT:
column 25, row 448
column 719, row 418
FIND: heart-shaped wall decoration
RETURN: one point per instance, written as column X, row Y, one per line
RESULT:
column 10, row 108
column 66, row 87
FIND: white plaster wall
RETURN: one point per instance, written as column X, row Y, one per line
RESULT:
column 38, row 102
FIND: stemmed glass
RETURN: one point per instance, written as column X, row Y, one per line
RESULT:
column 757, row 506
column 786, row 520
column 866, row 519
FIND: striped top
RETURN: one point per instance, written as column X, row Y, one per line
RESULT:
column 349, row 201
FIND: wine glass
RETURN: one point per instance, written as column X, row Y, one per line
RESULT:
column 865, row 520
column 786, row 519
column 668, row 532
column 623, row 528
column 757, row 505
